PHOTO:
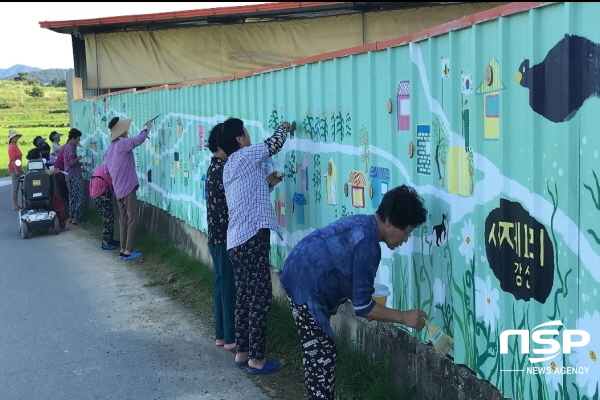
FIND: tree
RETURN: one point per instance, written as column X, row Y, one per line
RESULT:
column 21, row 76
column 58, row 82
column 32, row 81
column 36, row 91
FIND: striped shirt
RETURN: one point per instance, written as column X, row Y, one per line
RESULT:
column 247, row 190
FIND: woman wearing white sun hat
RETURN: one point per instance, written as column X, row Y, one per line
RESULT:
column 120, row 164
column 14, row 154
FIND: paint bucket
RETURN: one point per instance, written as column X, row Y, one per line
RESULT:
column 381, row 293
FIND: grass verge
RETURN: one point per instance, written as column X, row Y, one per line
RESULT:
column 190, row 282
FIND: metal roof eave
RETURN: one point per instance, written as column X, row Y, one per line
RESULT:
column 275, row 11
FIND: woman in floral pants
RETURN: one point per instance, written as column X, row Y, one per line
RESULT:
column 74, row 178
column 101, row 190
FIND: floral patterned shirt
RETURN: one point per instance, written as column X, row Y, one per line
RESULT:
column 216, row 206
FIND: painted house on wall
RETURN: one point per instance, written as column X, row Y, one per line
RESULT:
column 403, row 106
column 380, row 181
column 304, row 173
column 280, row 209
column 490, row 89
column 424, row 149
column 298, row 202
column 357, row 183
column 330, row 185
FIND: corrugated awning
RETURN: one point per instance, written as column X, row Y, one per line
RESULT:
column 276, row 11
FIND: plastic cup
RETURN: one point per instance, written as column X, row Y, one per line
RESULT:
column 381, row 293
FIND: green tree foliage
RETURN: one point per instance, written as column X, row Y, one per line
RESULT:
column 58, row 82
column 32, row 81
column 54, row 76
column 21, row 76
column 35, row 91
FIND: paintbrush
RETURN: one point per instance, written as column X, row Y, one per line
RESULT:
column 441, row 342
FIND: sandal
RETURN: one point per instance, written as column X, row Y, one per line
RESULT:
column 268, row 368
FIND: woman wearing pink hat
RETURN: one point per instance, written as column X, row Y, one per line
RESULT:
column 14, row 154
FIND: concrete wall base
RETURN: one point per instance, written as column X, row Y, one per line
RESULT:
column 413, row 364
column 183, row 237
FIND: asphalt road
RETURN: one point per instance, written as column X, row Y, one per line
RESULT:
column 76, row 323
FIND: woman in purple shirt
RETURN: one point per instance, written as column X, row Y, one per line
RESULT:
column 74, row 178
column 338, row 263
column 120, row 164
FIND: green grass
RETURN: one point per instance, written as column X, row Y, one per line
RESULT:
column 30, row 116
column 357, row 376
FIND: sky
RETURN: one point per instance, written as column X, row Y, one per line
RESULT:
column 23, row 41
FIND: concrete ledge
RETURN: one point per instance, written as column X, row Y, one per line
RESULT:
column 175, row 231
column 413, row 364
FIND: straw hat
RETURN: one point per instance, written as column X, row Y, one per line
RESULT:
column 119, row 129
column 12, row 133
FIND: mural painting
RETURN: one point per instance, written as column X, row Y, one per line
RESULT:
column 508, row 245
column 564, row 80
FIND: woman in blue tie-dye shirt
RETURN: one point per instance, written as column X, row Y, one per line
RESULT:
column 338, row 263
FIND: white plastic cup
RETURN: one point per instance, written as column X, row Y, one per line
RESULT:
column 278, row 165
column 381, row 293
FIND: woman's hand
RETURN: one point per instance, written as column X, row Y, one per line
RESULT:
column 287, row 126
column 273, row 179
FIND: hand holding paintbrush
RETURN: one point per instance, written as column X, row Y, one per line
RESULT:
column 442, row 343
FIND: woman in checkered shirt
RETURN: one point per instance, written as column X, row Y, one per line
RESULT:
column 251, row 219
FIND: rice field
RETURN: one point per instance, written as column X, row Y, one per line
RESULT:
column 30, row 116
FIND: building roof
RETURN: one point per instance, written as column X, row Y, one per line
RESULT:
column 266, row 12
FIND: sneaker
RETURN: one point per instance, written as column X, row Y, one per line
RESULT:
column 108, row 247
column 132, row 256
column 64, row 229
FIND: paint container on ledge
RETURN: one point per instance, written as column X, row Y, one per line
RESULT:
column 381, row 293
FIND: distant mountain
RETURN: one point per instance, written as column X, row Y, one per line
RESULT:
column 15, row 69
column 45, row 76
